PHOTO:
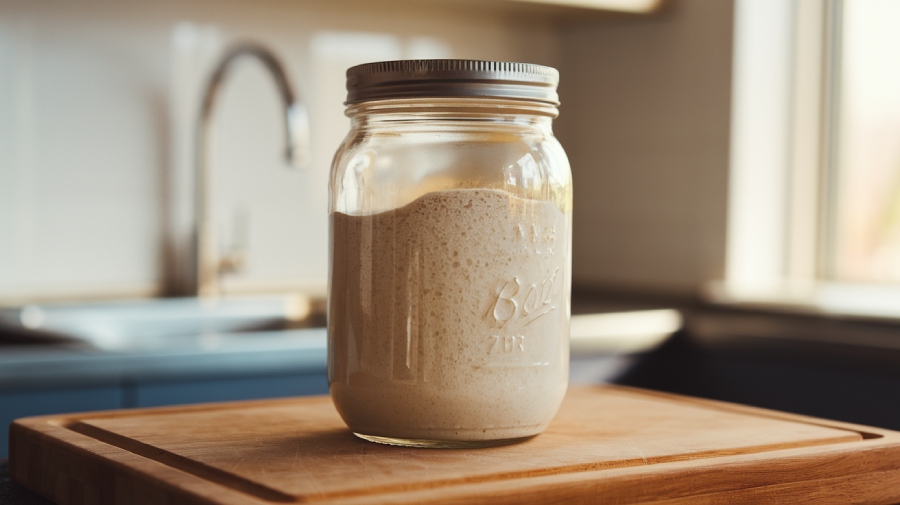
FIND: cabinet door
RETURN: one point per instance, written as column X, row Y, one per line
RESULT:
column 14, row 405
column 230, row 389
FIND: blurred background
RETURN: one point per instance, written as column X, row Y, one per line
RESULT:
column 100, row 101
column 736, row 167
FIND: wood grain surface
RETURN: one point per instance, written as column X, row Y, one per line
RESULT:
column 606, row 445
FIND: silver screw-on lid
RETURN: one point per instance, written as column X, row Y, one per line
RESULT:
column 451, row 78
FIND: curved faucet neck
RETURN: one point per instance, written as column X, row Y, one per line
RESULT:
column 208, row 264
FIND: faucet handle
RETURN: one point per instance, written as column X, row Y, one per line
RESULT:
column 298, row 145
column 235, row 260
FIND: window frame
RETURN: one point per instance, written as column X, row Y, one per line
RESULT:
column 783, row 173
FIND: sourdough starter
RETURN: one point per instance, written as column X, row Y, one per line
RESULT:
column 448, row 317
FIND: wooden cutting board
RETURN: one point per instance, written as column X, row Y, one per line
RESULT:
column 606, row 445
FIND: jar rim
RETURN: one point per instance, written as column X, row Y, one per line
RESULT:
column 448, row 78
column 432, row 107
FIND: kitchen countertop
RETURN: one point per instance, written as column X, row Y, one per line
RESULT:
column 220, row 354
column 287, row 351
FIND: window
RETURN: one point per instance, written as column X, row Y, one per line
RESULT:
column 814, row 203
column 865, row 227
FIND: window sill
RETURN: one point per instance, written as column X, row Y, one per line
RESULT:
column 838, row 320
column 838, row 300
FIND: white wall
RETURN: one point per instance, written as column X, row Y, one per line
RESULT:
column 97, row 107
column 646, row 126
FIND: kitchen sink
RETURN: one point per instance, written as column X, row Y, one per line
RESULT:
column 133, row 324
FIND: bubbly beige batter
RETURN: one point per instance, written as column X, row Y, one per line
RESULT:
column 448, row 317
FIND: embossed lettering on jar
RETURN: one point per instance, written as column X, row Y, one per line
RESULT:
column 450, row 279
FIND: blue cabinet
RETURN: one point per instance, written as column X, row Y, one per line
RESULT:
column 16, row 404
column 225, row 390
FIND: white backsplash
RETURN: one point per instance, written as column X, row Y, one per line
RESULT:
column 98, row 104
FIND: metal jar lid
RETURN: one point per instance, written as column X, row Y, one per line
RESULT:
column 451, row 78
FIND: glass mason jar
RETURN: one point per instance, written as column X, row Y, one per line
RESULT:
column 451, row 212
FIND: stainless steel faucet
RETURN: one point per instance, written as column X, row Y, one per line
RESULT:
column 210, row 264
